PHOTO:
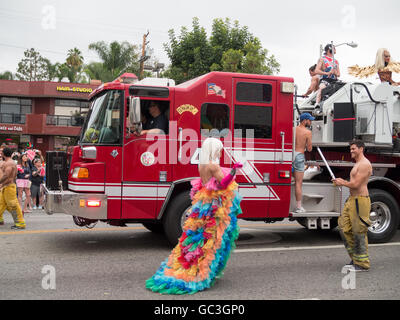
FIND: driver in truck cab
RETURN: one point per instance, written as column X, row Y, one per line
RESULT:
column 157, row 124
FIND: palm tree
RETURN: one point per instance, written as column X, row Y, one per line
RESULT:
column 74, row 62
column 116, row 58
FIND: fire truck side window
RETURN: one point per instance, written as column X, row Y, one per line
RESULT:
column 257, row 119
column 214, row 119
column 253, row 92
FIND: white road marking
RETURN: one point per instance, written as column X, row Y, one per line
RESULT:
column 310, row 248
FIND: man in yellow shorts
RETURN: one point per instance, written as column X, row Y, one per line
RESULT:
column 8, row 191
column 354, row 220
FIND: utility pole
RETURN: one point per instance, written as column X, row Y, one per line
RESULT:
column 143, row 57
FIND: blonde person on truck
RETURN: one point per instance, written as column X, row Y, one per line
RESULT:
column 384, row 66
column 303, row 142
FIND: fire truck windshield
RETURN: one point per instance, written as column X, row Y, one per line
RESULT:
column 103, row 124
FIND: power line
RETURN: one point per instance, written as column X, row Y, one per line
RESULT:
column 43, row 50
column 74, row 21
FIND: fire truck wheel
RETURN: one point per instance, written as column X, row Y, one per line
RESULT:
column 175, row 216
column 384, row 216
column 154, row 227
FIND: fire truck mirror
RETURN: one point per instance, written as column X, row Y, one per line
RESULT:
column 134, row 114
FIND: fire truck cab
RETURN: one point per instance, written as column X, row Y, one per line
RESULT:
column 120, row 172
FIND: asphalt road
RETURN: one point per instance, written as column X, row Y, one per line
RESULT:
column 54, row 259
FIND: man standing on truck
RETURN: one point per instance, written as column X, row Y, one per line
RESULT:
column 354, row 220
column 303, row 142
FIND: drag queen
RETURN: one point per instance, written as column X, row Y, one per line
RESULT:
column 209, row 232
column 384, row 66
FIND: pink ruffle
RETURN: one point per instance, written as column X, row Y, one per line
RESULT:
column 212, row 184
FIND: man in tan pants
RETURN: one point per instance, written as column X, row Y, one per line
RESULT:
column 8, row 191
column 354, row 220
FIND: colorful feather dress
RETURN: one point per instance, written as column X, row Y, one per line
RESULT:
column 208, row 239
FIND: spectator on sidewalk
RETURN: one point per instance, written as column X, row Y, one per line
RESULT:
column 24, row 182
column 38, row 173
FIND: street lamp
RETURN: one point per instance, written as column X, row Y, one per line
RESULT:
column 350, row 44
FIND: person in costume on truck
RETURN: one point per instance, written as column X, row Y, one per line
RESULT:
column 384, row 66
column 328, row 69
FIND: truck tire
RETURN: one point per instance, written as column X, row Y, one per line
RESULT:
column 384, row 216
column 154, row 227
column 175, row 216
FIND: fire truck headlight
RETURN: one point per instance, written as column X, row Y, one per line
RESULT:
column 287, row 87
column 80, row 173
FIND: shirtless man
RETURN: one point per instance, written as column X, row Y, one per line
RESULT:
column 354, row 220
column 314, row 81
column 303, row 142
column 8, row 191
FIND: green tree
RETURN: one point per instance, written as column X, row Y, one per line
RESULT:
column 116, row 58
column 96, row 70
column 34, row 67
column 231, row 60
column 190, row 54
column 230, row 47
column 257, row 61
column 6, row 75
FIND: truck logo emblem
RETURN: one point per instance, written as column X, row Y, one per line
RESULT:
column 187, row 107
column 147, row 159
column 114, row 153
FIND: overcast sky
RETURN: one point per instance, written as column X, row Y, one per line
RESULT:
column 291, row 30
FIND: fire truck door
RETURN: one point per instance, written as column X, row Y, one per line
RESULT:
column 145, row 167
column 254, row 143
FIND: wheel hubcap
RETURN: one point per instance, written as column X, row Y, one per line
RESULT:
column 380, row 217
column 185, row 215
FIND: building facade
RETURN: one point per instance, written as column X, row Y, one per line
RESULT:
column 47, row 115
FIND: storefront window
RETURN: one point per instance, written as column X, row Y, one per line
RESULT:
column 13, row 110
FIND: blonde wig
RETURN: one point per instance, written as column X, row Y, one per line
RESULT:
column 210, row 151
column 380, row 60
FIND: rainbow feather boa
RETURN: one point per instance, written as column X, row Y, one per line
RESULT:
column 203, row 250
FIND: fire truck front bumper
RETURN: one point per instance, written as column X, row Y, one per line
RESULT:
column 86, row 205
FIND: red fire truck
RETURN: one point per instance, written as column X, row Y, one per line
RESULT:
column 119, row 175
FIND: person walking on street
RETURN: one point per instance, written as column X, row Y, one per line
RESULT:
column 354, row 220
column 8, row 191
column 303, row 142
column 24, row 182
column 209, row 232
